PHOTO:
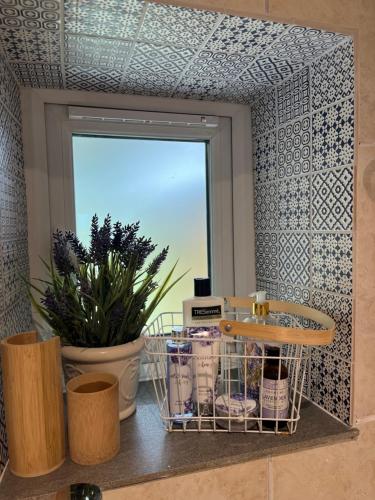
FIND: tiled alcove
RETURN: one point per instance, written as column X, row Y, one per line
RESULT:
column 300, row 83
column 303, row 167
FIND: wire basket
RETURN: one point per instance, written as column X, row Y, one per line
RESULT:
column 219, row 383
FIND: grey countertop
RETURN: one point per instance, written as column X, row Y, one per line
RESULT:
column 149, row 452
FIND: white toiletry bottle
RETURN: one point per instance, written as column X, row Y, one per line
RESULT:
column 202, row 315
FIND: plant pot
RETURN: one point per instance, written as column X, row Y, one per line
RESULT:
column 123, row 361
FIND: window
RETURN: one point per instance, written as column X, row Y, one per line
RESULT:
column 161, row 183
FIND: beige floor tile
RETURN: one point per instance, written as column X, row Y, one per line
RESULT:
column 246, row 481
column 344, row 471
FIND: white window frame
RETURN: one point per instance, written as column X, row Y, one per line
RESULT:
column 236, row 234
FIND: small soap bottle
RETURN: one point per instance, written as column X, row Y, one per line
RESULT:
column 275, row 393
column 203, row 309
column 253, row 370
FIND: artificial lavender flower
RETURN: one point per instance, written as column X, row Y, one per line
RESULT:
column 61, row 254
column 154, row 267
column 100, row 240
column 143, row 247
column 77, row 247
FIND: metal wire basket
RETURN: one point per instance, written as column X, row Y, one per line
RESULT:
column 234, row 385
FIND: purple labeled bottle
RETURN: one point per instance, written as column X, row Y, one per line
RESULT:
column 180, row 379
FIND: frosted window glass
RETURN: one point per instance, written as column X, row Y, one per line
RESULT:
column 158, row 182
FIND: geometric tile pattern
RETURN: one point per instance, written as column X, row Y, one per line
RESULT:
column 332, row 200
column 266, row 256
column 15, row 313
column 330, row 384
column 266, row 212
column 294, row 258
column 264, row 151
column 294, row 293
column 158, row 49
column 339, row 308
column 333, row 136
column 293, row 96
column 294, row 203
column 263, row 113
column 332, row 262
column 332, row 77
column 294, row 147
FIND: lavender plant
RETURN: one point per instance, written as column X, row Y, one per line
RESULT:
column 103, row 295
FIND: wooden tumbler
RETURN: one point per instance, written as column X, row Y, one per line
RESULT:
column 93, row 423
column 33, row 404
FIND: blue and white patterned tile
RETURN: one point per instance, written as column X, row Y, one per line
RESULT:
column 161, row 60
column 330, row 384
column 217, row 65
column 9, row 90
column 332, row 76
column 108, row 18
column 25, row 45
column 34, row 14
column 294, row 203
column 266, row 212
column 266, row 256
column 264, row 154
column 332, row 200
column 263, row 112
column 270, row 287
column 294, row 293
column 293, row 97
column 270, row 70
column 339, row 308
column 294, row 148
column 81, row 50
column 294, row 258
column 244, row 35
column 151, row 84
column 167, row 24
column 197, row 88
column 93, row 79
column 333, row 136
column 332, row 262
column 38, row 75
column 301, row 44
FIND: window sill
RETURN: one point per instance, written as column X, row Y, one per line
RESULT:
column 148, row 452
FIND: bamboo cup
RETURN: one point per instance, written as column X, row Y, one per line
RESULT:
column 93, row 423
column 33, row 404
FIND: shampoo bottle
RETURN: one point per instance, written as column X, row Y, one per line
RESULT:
column 202, row 314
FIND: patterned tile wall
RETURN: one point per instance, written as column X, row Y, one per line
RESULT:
column 138, row 47
column 15, row 313
column 303, row 165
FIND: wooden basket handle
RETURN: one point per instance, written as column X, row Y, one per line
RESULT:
column 278, row 333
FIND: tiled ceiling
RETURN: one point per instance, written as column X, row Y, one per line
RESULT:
column 135, row 46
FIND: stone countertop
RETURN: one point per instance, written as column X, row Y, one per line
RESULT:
column 148, row 452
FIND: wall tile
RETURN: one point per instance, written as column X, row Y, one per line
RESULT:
column 332, row 76
column 338, row 308
column 303, row 45
column 199, row 88
column 98, row 79
column 293, row 97
column 44, row 15
column 330, row 384
column 294, row 203
column 266, row 212
column 270, row 287
column 294, row 258
column 332, row 262
column 264, row 152
column 333, row 136
column 25, row 45
column 293, row 148
column 270, row 70
column 172, row 25
column 113, row 18
column 243, row 35
column 294, row 293
column 263, row 112
column 218, row 65
column 91, row 51
column 266, row 256
column 38, row 75
column 332, row 200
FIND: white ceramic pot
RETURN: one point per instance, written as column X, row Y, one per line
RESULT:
column 121, row 360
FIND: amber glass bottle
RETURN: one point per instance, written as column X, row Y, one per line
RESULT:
column 275, row 394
